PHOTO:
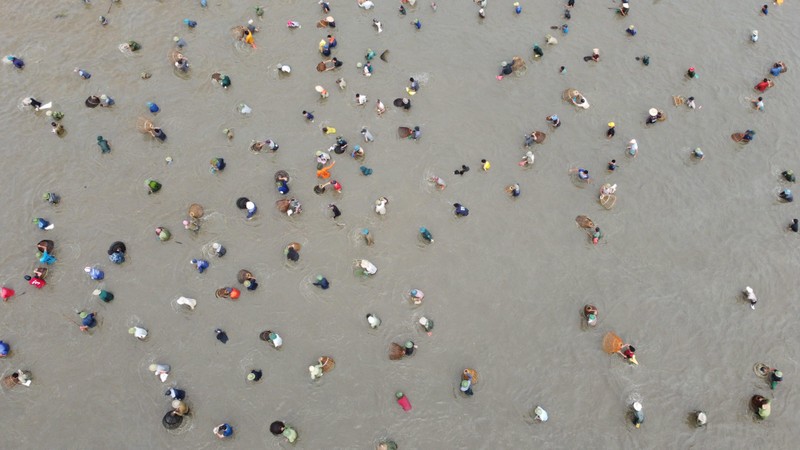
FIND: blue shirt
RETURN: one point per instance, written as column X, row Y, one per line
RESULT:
column 202, row 265
column 47, row 258
column 89, row 321
column 462, row 211
column 283, row 188
column 323, row 283
column 775, row 71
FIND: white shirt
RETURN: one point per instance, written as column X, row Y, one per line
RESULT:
column 361, row 99
column 139, row 333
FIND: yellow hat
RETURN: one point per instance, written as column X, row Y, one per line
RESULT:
column 611, row 124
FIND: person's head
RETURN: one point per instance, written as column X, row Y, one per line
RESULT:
column 28, row 277
column 765, row 80
column 335, row 60
column 597, row 229
column 760, row 98
column 631, row 348
column 277, row 427
column 416, row 128
column 613, row 161
column 411, row 79
column 691, row 99
column 456, row 205
column 483, row 161
column 325, row 129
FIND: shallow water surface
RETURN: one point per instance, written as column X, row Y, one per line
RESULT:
column 505, row 285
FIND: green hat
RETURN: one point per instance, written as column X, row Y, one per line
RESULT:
column 399, row 394
column 251, row 376
column 465, row 383
column 131, row 330
column 83, row 314
column 319, row 277
column 273, row 336
column 247, row 283
column 409, row 344
column 46, row 196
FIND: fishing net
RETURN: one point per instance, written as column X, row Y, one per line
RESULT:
column 144, row 125
column 584, row 222
column 612, row 343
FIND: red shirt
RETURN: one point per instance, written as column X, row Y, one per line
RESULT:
column 38, row 283
column 628, row 353
column 762, row 86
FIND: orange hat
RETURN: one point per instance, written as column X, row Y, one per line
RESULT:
column 235, row 293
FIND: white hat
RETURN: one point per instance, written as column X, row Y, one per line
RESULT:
column 637, row 406
column 632, row 141
column 653, row 111
column 250, row 205
column 215, row 246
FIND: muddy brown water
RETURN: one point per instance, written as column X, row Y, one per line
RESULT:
column 505, row 285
